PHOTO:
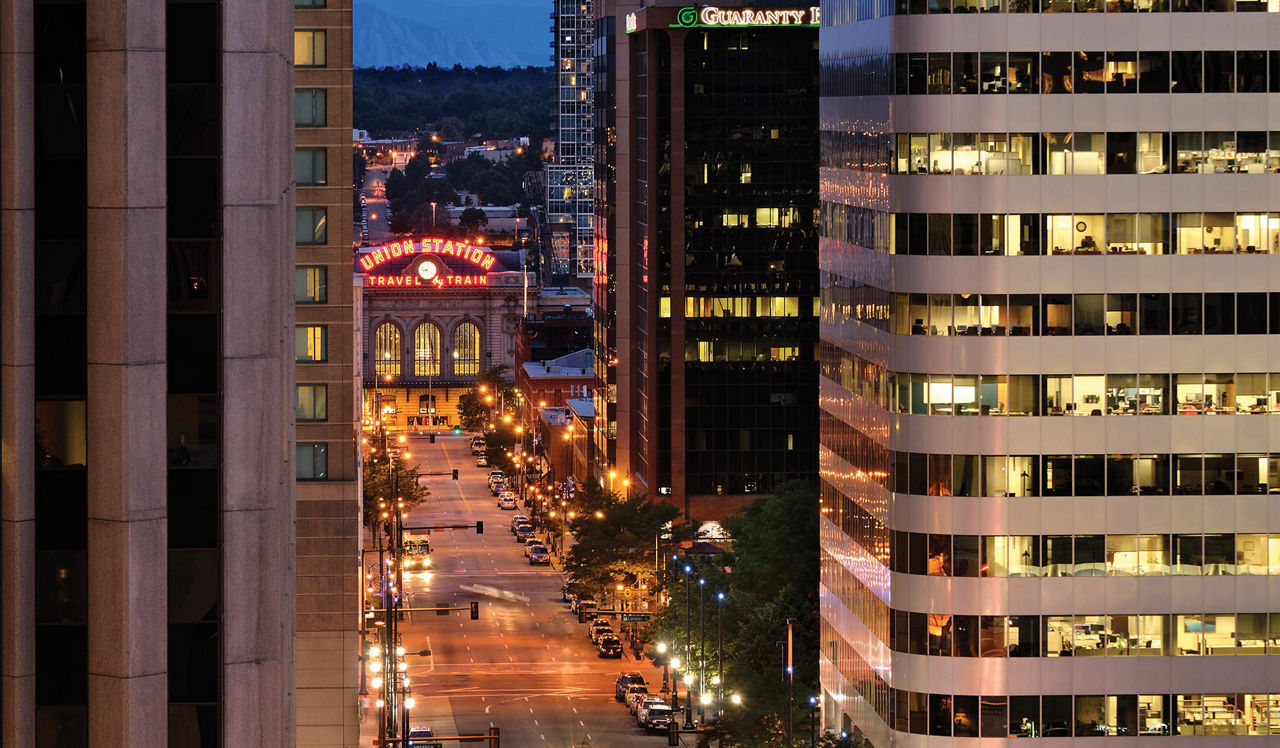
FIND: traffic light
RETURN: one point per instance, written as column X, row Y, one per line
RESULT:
column 475, row 611
column 479, row 527
column 432, row 437
column 455, row 473
column 457, row 431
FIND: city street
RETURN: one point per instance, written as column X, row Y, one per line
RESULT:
column 526, row 666
column 375, row 177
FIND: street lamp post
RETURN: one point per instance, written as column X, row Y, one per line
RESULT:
column 813, row 721
column 702, row 651
column 661, row 649
column 720, row 653
column 688, row 645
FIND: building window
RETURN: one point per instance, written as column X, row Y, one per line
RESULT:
column 308, row 48
column 309, row 107
column 312, row 403
column 426, row 350
column 309, row 166
column 308, row 3
column 466, row 350
column 313, row 461
column 310, row 344
column 386, row 348
column 427, row 404
column 310, row 284
column 311, row 225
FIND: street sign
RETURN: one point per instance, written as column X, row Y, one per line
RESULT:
column 635, row 617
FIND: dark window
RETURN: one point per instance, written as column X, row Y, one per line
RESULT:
column 1273, row 70
column 1153, row 72
column 1186, row 72
column 918, row 244
column 918, row 553
column 1251, row 71
column 965, row 550
column 939, row 555
column 1024, row 636
column 994, row 717
column 918, row 73
column 939, row 73
column 1056, row 313
column 939, row 636
column 1056, row 480
column 1057, row 716
column 1089, row 471
column 1056, row 555
column 965, row 635
column 1219, row 71
column 1273, row 313
column 1122, row 150
column 918, row 624
column 1088, row 314
column 1055, row 73
column 1219, row 554
column 1153, row 314
column 1121, row 480
column 1186, row 313
column 1188, row 552
column 1090, row 555
column 1219, row 314
column 898, row 556
column 1188, row 6
column 1024, row 716
column 1123, row 67
column 939, row 714
column 939, row 233
column 1090, row 717
column 918, row 480
column 964, row 72
column 901, row 78
column 966, row 716
column 1089, row 72
column 919, row 706
column 1251, row 313
column 966, row 234
column 991, row 636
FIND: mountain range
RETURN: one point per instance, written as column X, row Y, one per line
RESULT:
column 449, row 32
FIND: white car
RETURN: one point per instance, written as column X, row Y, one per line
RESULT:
column 482, row 461
column 506, row 502
column 643, row 709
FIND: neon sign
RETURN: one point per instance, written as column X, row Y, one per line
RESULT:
column 631, row 23
column 372, row 257
column 436, row 281
column 711, row 16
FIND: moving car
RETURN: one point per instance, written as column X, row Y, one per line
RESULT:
column 482, row 461
column 609, row 647
column 658, row 717
column 624, row 681
column 506, row 502
column 417, row 738
column 539, row 555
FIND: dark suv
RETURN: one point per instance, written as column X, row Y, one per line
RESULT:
column 625, row 681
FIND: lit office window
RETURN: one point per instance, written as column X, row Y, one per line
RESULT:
column 310, row 284
column 309, row 107
column 311, row 225
column 310, row 343
column 312, row 403
column 312, row 461
column 466, row 349
column 426, row 350
column 308, row 48
column 386, row 348
column 309, row 166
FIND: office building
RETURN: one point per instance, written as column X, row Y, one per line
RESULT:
column 712, row 233
column 569, row 174
column 1048, row 461
column 147, row 501
column 327, row 381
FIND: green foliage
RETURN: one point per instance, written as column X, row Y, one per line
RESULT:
column 615, row 541
column 380, row 484
column 458, row 102
column 770, row 575
column 472, row 219
column 495, row 182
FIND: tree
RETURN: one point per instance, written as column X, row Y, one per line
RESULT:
column 616, row 539
column 379, row 486
column 472, row 219
column 492, row 390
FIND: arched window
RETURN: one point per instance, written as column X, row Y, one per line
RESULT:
column 466, row 350
column 386, row 348
column 426, row 350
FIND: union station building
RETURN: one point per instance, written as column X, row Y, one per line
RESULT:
column 436, row 314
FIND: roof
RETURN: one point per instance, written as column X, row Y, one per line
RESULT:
column 554, row 416
column 577, row 364
column 582, row 407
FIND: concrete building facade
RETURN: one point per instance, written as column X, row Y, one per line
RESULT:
column 1048, row 473
column 327, row 380
column 147, row 495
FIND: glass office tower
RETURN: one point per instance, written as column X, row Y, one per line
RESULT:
column 713, row 242
column 1049, row 376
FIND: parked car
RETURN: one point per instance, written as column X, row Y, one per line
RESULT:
column 518, row 520
column 634, row 696
column 658, row 717
column 539, row 555
column 532, row 543
column 506, row 502
column 599, row 632
column 609, row 647
column 625, row 681
column 581, row 601
column 523, row 533
column 586, row 609
column 507, row 494
column 644, row 706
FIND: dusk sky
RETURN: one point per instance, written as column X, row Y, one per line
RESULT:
column 448, row 31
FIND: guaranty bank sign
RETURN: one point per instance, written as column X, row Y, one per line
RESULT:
column 711, row 16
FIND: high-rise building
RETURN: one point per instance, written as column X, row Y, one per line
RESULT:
column 327, row 380
column 147, row 501
column 710, row 307
column 1047, row 463
column 569, row 175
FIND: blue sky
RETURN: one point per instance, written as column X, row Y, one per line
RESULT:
column 519, row 27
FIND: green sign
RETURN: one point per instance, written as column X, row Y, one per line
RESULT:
column 710, row 16
column 635, row 617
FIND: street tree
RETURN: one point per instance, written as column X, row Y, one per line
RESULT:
column 619, row 541
column 472, row 219
column 380, row 484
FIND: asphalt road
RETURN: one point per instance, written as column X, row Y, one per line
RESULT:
column 376, row 206
column 526, row 666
